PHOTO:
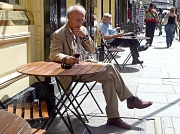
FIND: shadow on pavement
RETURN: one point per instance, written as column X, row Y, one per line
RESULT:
column 129, row 69
column 97, row 125
column 160, row 48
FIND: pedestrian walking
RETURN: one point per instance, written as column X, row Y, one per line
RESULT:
column 161, row 16
column 151, row 20
column 170, row 26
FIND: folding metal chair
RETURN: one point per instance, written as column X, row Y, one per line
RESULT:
column 78, row 94
column 85, row 85
column 110, row 52
column 128, row 27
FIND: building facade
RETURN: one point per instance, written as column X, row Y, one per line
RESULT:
column 177, row 5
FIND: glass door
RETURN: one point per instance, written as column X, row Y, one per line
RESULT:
column 89, row 24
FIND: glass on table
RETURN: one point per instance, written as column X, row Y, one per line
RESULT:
column 76, row 53
column 121, row 31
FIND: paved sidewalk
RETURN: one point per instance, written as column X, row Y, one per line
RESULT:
column 158, row 81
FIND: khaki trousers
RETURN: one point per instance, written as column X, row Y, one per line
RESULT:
column 113, row 86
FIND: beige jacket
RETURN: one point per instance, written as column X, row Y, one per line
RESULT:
column 62, row 46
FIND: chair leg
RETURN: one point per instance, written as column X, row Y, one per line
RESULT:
column 126, row 60
column 84, row 97
column 114, row 58
column 111, row 56
column 141, row 65
column 89, row 92
column 107, row 58
column 94, row 97
column 78, row 104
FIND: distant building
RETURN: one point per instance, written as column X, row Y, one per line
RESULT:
column 177, row 5
column 163, row 4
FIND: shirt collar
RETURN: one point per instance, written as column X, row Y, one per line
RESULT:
column 72, row 34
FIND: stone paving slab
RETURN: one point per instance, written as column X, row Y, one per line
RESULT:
column 97, row 125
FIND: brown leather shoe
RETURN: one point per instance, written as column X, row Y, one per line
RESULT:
column 138, row 103
column 118, row 122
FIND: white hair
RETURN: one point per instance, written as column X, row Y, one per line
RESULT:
column 107, row 15
column 76, row 7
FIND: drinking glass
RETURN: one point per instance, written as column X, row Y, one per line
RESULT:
column 121, row 31
column 76, row 53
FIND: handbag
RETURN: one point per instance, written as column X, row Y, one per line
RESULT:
column 164, row 21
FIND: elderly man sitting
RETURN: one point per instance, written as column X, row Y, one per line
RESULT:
column 113, row 85
column 111, row 35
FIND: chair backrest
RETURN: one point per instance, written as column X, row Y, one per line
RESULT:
column 97, row 38
column 127, row 27
column 103, row 41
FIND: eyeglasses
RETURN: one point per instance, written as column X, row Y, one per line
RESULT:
column 80, row 20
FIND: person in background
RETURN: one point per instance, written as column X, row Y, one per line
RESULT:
column 151, row 20
column 129, row 11
column 111, row 35
column 161, row 16
column 113, row 85
column 170, row 26
column 178, row 19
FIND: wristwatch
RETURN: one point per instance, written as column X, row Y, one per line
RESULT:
column 86, row 37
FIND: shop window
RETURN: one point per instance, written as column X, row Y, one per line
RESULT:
column 89, row 24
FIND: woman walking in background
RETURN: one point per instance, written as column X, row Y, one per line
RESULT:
column 151, row 19
column 170, row 26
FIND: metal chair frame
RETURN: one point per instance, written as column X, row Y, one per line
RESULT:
column 110, row 52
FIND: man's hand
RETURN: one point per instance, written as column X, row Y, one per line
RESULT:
column 120, row 34
column 79, row 32
column 71, row 60
column 118, row 29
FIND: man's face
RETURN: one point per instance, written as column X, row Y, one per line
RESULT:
column 107, row 20
column 76, row 19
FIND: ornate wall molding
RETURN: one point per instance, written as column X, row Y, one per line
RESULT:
column 9, row 79
column 38, row 13
column 7, row 38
